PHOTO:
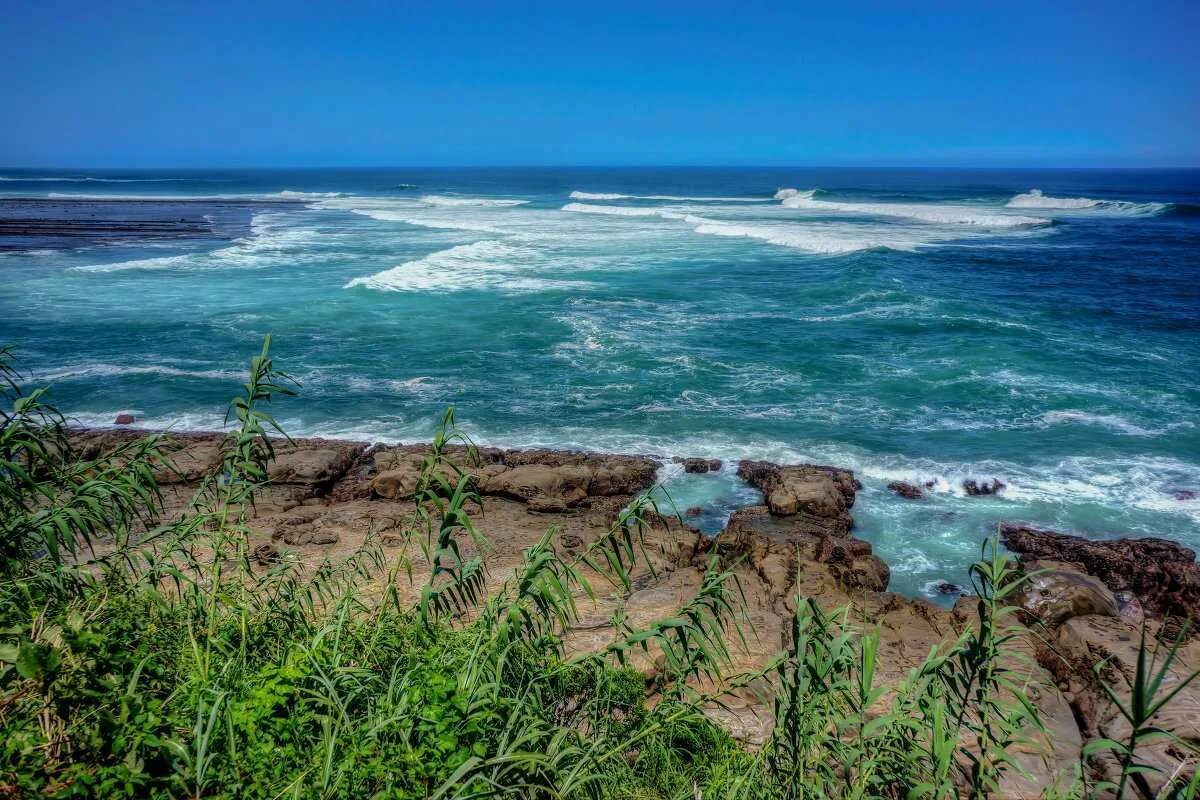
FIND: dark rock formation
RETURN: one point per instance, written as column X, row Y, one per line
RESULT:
column 701, row 465
column 1163, row 575
column 124, row 419
column 906, row 490
column 976, row 489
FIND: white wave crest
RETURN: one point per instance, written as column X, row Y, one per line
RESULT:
column 412, row 212
column 1035, row 199
column 623, row 211
column 810, row 238
column 104, row 370
column 1110, row 421
column 924, row 212
column 487, row 264
column 288, row 193
column 487, row 202
column 784, row 194
column 612, row 196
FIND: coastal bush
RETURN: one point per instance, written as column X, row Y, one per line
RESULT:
column 145, row 656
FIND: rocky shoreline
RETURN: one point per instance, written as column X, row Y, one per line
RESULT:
column 1086, row 604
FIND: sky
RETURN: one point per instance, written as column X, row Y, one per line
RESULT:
column 158, row 84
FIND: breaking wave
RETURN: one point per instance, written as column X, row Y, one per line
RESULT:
column 487, row 264
column 1034, row 198
column 808, row 238
column 488, row 202
column 924, row 212
column 609, row 196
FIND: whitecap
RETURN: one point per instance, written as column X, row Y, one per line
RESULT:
column 924, row 212
column 1110, row 421
column 810, row 238
column 487, row 202
column 106, row 370
column 1034, row 198
column 487, row 264
column 577, row 195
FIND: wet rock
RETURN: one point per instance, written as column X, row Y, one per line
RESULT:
column 976, row 489
column 124, row 419
column 1055, row 593
column 906, row 490
column 694, row 511
column 949, row 589
column 1186, row 494
column 1163, row 575
column 701, row 465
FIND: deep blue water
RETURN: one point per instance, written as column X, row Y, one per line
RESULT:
column 925, row 325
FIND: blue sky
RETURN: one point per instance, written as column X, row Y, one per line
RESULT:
column 289, row 84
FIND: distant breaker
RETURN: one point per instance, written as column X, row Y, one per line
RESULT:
column 1035, row 199
column 609, row 196
column 485, row 202
column 925, row 212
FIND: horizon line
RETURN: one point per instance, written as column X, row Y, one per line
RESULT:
column 334, row 166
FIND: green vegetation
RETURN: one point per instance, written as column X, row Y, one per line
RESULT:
column 150, row 657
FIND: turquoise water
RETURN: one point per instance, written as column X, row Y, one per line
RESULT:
column 928, row 325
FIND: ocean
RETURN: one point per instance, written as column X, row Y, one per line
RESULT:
column 1037, row 327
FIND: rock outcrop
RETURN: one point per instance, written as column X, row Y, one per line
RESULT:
column 820, row 497
column 1161, row 574
column 1087, row 599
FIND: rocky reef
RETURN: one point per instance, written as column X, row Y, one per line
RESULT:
column 1085, row 603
